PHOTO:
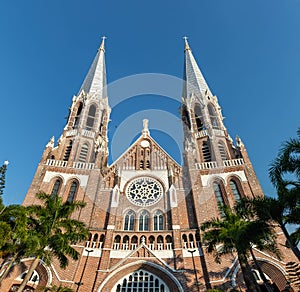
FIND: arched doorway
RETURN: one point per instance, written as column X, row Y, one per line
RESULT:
column 274, row 273
column 41, row 276
column 277, row 278
column 141, row 276
column 141, row 280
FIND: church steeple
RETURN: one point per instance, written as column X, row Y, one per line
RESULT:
column 84, row 139
column 95, row 81
column 194, row 80
column 202, row 116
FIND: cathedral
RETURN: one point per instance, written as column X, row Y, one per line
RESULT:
column 144, row 210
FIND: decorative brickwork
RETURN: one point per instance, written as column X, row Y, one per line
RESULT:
column 144, row 211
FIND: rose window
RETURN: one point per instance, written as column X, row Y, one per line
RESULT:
column 144, row 191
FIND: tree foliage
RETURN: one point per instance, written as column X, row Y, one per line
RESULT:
column 2, row 182
column 54, row 231
column 285, row 176
column 237, row 231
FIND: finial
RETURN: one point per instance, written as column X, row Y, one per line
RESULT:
column 6, row 162
column 145, row 127
column 102, row 44
column 187, row 47
column 143, row 240
column 239, row 141
column 51, row 142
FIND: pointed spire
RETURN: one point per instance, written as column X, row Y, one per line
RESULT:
column 102, row 44
column 187, row 47
column 95, row 80
column 194, row 80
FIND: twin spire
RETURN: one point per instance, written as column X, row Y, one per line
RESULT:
column 194, row 82
column 95, row 81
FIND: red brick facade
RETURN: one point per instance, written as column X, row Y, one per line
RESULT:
column 144, row 210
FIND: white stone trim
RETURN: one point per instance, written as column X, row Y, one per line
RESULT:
column 110, row 227
column 160, row 175
column 173, row 196
column 187, row 254
column 83, row 179
column 44, row 265
column 269, row 256
column 228, row 271
column 144, row 280
column 141, row 262
column 208, row 178
column 96, row 253
column 115, row 197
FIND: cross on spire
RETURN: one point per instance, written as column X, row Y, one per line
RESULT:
column 187, row 47
column 102, row 43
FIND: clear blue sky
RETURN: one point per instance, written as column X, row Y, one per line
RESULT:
column 249, row 52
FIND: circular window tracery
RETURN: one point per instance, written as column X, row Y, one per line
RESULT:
column 144, row 191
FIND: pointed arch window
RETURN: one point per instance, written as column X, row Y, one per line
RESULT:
column 213, row 116
column 158, row 220
column 185, row 117
column 77, row 117
column 199, row 118
column 56, row 188
column 68, row 151
column 83, row 153
column 235, row 190
column 91, row 118
column 141, row 280
column 144, row 221
column 219, row 197
column 72, row 191
column 129, row 220
column 222, row 150
column 206, row 152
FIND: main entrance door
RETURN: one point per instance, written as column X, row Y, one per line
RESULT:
column 141, row 281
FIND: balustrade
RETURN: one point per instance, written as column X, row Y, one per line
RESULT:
column 160, row 246
column 133, row 246
column 214, row 165
column 151, row 246
column 191, row 244
column 206, row 165
column 169, row 245
column 72, row 132
column 88, row 133
column 83, row 165
column 116, row 246
column 233, row 162
column 201, row 134
column 58, row 163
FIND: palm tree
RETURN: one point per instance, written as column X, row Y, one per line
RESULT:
column 54, row 231
column 287, row 161
column 19, row 241
column 235, row 233
column 285, row 176
column 272, row 210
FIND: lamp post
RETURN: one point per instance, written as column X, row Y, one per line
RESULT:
column 195, row 272
column 81, row 277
